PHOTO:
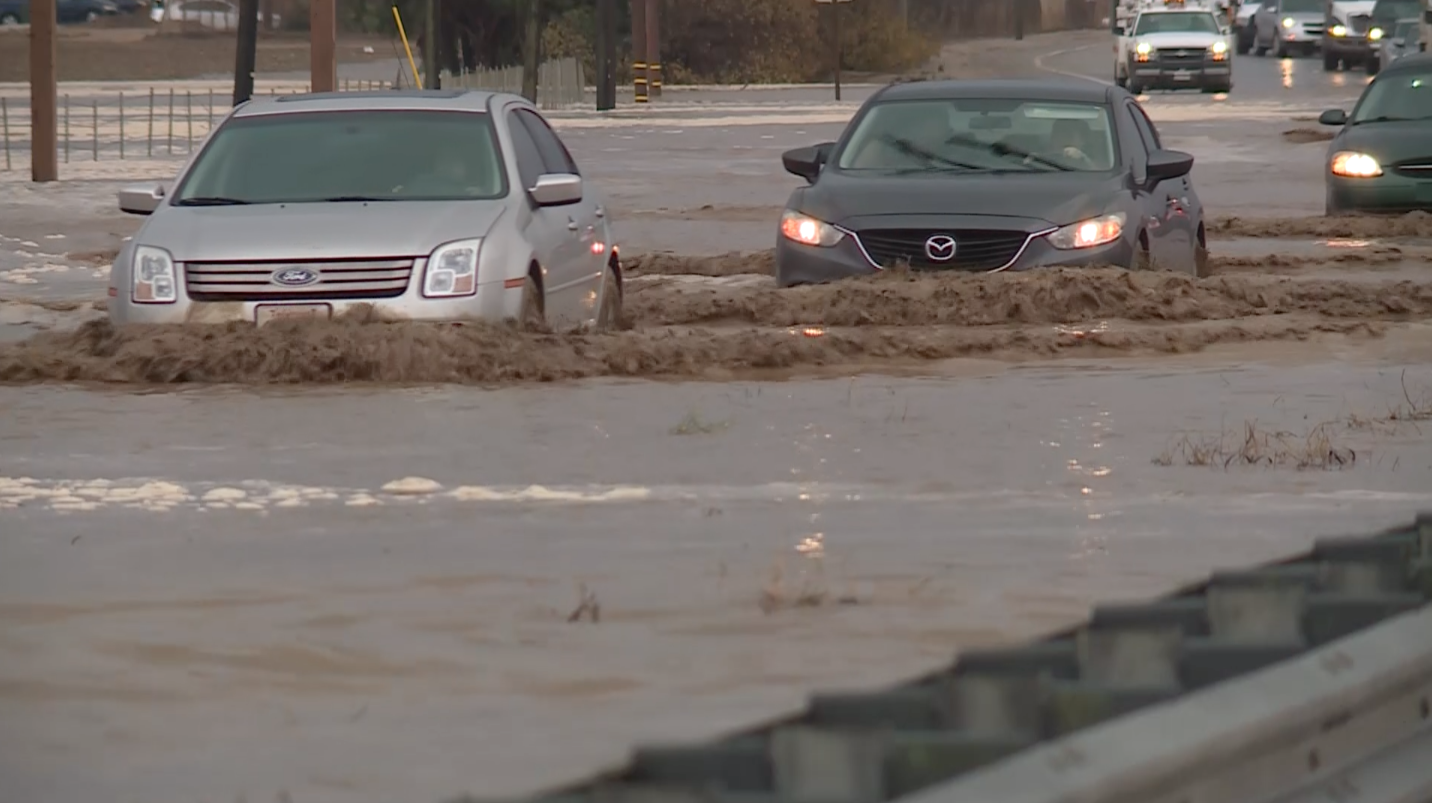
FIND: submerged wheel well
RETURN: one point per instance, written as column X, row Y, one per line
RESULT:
column 535, row 271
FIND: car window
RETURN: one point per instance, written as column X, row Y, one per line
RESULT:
column 1140, row 150
column 1302, row 6
column 973, row 134
column 554, row 153
column 1396, row 96
column 1177, row 22
column 524, row 148
column 312, row 156
column 1146, row 128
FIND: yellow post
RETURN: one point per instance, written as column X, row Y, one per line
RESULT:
column 399, row 19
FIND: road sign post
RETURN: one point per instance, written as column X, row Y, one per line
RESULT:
column 839, row 41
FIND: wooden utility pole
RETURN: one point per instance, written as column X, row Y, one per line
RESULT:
column 432, row 73
column 606, row 78
column 44, row 94
column 653, row 48
column 323, row 46
column 246, row 53
column 638, row 49
column 839, row 39
column 531, row 50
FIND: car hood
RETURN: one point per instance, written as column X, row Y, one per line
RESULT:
column 1032, row 201
column 1179, row 39
column 1303, row 17
column 316, row 231
column 1388, row 142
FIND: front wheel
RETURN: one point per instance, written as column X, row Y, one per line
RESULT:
column 533, row 316
column 1143, row 259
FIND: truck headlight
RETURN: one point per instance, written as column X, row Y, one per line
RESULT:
column 152, row 279
column 451, row 271
column 1289, row 22
column 1374, row 34
column 1338, row 30
column 1219, row 50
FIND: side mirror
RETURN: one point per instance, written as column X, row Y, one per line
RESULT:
column 141, row 199
column 1118, row 30
column 1333, row 117
column 806, row 162
column 557, row 189
column 1165, row 164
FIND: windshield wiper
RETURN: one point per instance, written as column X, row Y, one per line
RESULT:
column 1001, row 149
column 911, row 149
column 1384, row 119
column 339, row 199
column 210, row 200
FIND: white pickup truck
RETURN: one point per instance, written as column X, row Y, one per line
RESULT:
column 1173, row 47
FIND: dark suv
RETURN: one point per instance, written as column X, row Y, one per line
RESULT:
column 1385, row 14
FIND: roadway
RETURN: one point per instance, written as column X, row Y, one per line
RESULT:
column 361, row 593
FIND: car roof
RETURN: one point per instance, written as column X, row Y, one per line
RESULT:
column 1193, row 10
column 1069, row 89
column 463, row 100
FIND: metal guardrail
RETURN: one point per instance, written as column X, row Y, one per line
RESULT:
column 1299, row 681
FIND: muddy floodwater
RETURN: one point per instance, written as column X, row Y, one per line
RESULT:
column 364, row 595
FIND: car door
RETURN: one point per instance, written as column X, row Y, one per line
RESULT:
column 587, row 251
column 545, row 228
column 1180, row 204
column 1151, row 202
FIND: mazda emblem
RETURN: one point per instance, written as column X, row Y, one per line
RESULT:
column 940, row 248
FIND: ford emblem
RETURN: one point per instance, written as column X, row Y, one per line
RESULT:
column 294, row 277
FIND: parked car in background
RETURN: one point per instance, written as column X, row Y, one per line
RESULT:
column 72, row 11
column 1385, row 14
column 220, row 15
column 430, row 205
column 14, row 12
column 1243, row 25
column 1381, row 160
column 986, row 176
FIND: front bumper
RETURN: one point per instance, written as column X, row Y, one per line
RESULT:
column 797, row 263
column 494, row 300
column 1158, row 75
column 1300, row 36
column 1345, row 47
column 1389, row 193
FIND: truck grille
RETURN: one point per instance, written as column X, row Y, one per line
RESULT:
column 1313, row 28
column 335, row 279
column 975, row 250
column 1182, row 55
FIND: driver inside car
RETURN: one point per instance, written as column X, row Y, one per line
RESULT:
column 1068, row 145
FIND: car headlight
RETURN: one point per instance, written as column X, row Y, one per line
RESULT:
column 806, row 230
column 452, row 270
column 1352, row 164
column 1089, row 233
column 1338, row 30
column 1374, row 34
column 1219, row 49
column 1143, row 48
column 1289, row 22
column 152, row 279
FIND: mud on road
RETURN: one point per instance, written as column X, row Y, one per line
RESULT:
column 679, row 328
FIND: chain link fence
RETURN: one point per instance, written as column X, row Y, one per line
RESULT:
column 169, row 121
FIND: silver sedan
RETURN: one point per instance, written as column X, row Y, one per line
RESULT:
column 424, row 205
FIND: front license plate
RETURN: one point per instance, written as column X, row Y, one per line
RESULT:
column 267, row 313
column 1183, row 75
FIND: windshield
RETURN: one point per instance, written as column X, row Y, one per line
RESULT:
column 981, row 134
column 1177, row 22
column 1387, row 12
column 1407, row 29
column 348, row 155
column 1302, row 7
column 1396, row 96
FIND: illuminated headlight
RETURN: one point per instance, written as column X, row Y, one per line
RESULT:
column 1089, row 233
column 452, row 270
column 152, row 276
column 1374, row 34
column 1143, row 48
column 1338, row 30
column 1352, row 164
column 1289, row 22
column 1219, row 50
column 806, row 230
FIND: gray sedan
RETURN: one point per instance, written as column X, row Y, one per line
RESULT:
column 424, row 205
